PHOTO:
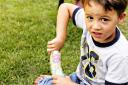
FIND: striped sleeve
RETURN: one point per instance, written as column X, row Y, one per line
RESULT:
column 78, row 18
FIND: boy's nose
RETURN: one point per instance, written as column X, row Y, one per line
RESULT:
column 96, row 25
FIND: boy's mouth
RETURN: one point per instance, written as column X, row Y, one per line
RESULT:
column 96, row 34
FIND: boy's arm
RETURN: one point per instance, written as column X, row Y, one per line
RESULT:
column 64, row 14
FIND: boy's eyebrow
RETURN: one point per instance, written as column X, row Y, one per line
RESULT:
column 105, row 16
column 87, row 14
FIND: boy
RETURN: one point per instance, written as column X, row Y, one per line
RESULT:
column 104, row 56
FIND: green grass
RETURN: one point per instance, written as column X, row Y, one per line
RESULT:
column 25, row 28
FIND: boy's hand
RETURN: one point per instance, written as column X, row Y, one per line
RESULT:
column 58, row 80
column 55, row 44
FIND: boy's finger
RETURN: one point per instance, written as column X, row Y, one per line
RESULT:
column 54, row 79
column 50, row 42
column 37, row 79
column 54, row 76
column 51, row 46
column 54, row 82
column 49, row 51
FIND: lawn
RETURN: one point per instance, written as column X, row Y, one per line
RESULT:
column 25, row 28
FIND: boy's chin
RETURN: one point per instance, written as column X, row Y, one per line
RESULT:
column 99, row 40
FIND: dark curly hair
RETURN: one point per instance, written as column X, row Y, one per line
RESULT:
column 118, row 5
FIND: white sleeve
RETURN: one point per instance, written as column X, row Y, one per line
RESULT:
column 79, row 18
column 117, row 70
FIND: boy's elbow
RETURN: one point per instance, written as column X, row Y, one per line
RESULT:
column 68, row 7
column 64, row 6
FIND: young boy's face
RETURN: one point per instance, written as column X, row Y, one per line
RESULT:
column 101, row 23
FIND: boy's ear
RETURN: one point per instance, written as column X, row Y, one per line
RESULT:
column 122, row 17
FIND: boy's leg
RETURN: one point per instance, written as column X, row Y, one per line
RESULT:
column 47, row 80
column 43, row 80
column 74, row 78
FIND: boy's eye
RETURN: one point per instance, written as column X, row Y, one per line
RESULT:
column 89, row 18
column 104, row 19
